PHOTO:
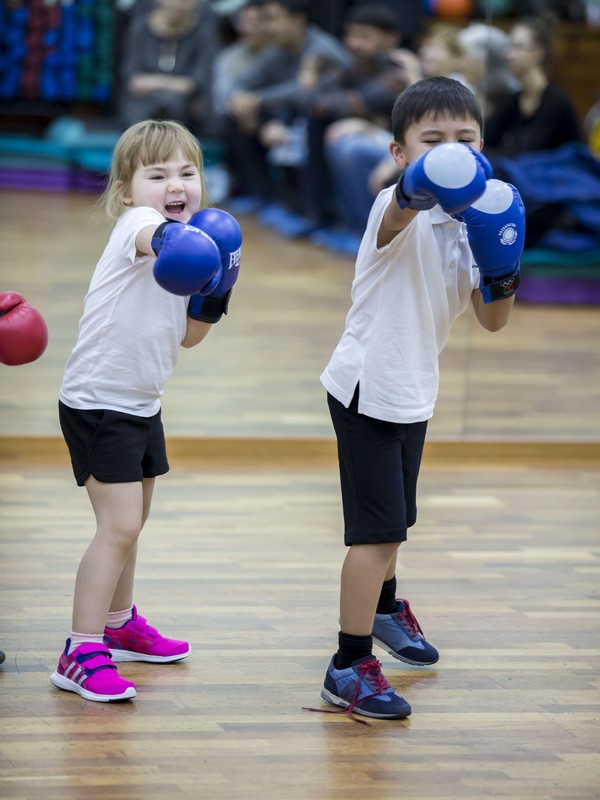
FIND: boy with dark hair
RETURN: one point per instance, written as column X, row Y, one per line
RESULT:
column 446, row 235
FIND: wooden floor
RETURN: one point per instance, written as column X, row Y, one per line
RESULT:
column 243, row 550
column 503, row 569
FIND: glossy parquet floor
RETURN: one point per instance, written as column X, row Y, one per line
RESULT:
column 257, row 374
column 243, row 550
column 503, row 570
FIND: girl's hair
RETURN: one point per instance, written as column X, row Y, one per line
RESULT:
column 148, row 142
column 434, row 96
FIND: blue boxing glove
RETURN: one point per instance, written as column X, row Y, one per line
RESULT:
column 226, row 232
column 496, row 233
column 188, row 260
column 453, row 175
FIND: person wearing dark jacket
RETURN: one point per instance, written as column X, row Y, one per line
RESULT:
column 540, row 116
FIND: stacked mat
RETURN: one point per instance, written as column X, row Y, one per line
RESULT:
column 57, row 52
column 552, row 276
column 562, row 264
column 68, row 156
column 74, row 154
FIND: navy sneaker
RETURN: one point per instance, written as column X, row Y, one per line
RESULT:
column 362, row 688
column 401, row 635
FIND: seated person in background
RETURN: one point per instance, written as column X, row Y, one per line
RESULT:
column 272, row 90
column 475, row 56
column 440, row 52
column 484, row 64
column 366, row 147
column 539, row 116
column 366, row 89
column 168, row 62
column 235, row 60
column 365, row 144
column 591, row 128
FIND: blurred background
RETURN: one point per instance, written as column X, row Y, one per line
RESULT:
column 285, row 97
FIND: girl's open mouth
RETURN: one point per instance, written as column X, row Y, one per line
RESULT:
column 175, row 209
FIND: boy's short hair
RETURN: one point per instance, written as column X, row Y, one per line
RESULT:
column 374, row 16
column 434, row 96
column 294, row 8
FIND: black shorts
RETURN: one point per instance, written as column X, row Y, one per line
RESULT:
column 113, row 446
column 379, row 467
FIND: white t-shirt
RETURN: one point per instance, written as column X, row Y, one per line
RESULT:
column 405, row 297
column 130, row 332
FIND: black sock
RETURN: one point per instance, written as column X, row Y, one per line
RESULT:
column 351, row 648
column 387, row 598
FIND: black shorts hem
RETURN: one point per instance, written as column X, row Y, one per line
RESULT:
column 113, row 446
column 375, row 537
column 89, row 473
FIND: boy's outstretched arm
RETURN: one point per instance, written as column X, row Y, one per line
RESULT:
column 450, row 174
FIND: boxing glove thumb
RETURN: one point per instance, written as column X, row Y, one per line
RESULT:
column 23, row 330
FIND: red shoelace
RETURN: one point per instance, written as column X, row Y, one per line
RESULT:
column 370, row 672
column 409, row 619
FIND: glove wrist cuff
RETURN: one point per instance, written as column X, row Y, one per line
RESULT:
column 157, row 238
column 493, row 289
column 207, row 308
column 401, row 198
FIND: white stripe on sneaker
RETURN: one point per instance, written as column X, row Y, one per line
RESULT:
column 70, row 669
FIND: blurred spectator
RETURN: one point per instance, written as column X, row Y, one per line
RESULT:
column 272, row 90
column 365, row 147
column 366, row 88
column 332, row 15
column 440, row 53
column 475, row 55
column 484, row 64
column 591, row 128
column 236, row 60
column 167, row 64
column 539, row 116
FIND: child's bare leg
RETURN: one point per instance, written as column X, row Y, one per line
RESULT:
column 123, row 595
column 365, row 568
column 118, row 508
column 391, row 571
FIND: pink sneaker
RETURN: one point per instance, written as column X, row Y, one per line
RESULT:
column 90, row 672
column 138, row 641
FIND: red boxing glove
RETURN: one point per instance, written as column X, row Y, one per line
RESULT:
column 23, row 330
